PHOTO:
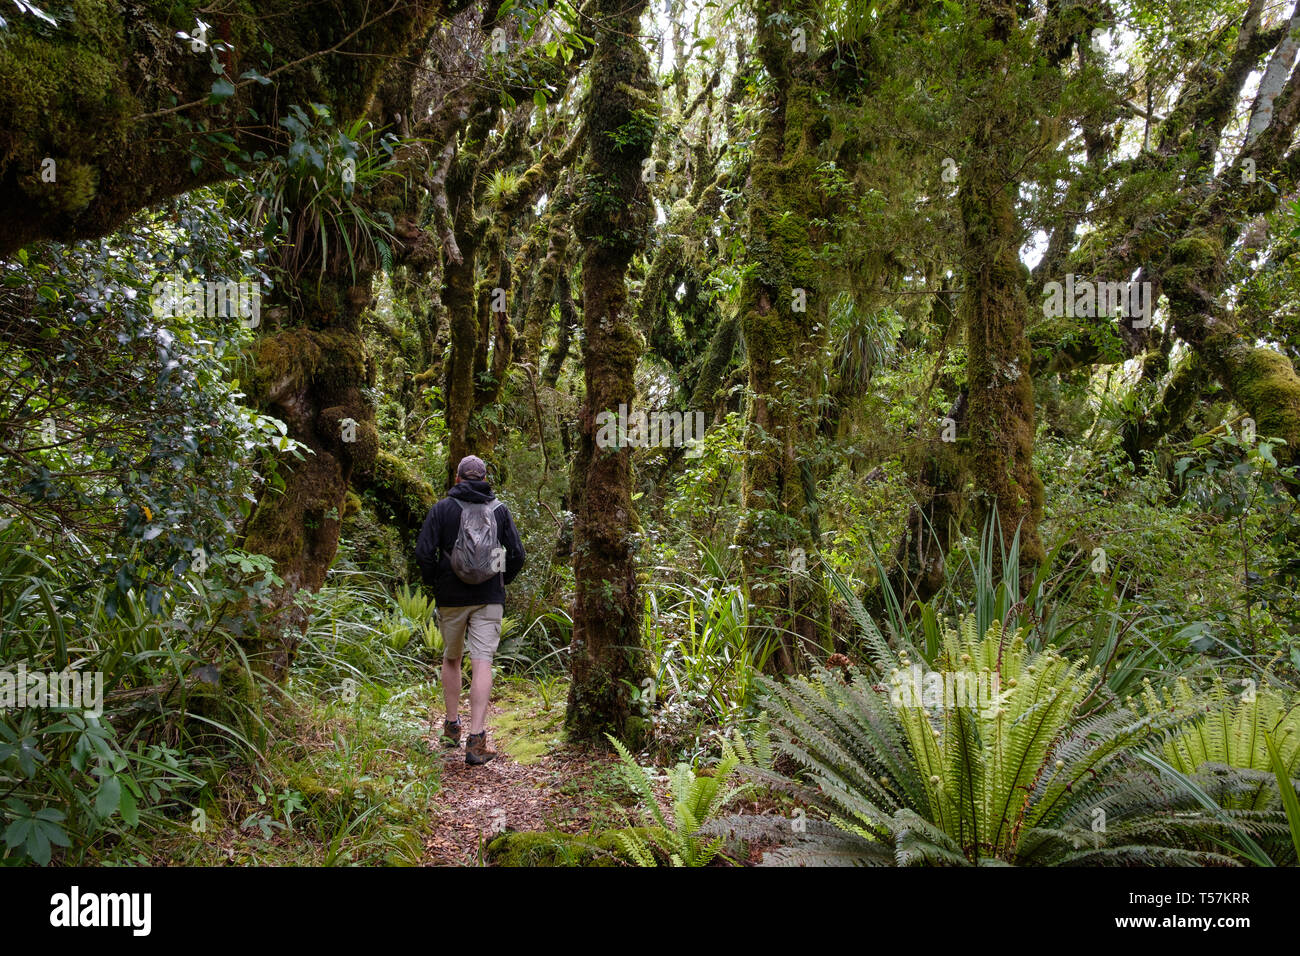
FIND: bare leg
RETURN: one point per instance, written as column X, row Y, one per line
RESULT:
column 480, row 689
column 451, row 687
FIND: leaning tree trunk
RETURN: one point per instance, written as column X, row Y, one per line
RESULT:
column 995, row 310
column 564, row 337
column 1261, row 380
column 611, row 219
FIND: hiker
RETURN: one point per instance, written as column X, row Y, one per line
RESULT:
column 468, row 551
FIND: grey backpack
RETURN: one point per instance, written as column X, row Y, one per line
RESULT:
column 475, row 557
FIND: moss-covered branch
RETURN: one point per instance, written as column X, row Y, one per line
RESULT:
column 404, row 495
column 121, row 104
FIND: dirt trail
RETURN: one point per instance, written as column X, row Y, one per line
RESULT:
column 529, row 786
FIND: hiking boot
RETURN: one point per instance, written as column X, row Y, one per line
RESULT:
column 450, row 733
column 476, row 751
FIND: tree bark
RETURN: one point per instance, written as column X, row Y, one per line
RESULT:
column 311, row 377
column 783, row 312
column 610, row 220
column 996, row 309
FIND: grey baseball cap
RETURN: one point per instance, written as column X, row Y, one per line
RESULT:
column 471, row 466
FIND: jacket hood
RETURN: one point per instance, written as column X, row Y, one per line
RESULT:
column 472, row 490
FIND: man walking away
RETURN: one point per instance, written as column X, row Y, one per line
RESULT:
column 468, row 551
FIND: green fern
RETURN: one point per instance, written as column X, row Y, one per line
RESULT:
column 696, row 800
column 759, row 752
column 414, row 603
column 397, row 630
column 1255, row 734
column 1028, row 775
column 1232, row 732
column 431, row 636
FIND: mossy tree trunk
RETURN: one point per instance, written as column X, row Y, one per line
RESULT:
column 1193, row 253
column 564, row 335
column 459, row 297
column 713, row 368
column 995, row 305
column 481, row 335
column 545, row 287
column 782, row 314
column 1175, row 405
column 310, row 376
column 610, row 220
column 1262, row 381
column 312, row 371
column 937, row 471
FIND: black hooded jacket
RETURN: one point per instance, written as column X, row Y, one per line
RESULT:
column 438, row 537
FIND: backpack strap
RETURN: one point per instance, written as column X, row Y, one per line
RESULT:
column 448, row 548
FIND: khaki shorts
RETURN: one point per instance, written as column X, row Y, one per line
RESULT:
column 476, row 625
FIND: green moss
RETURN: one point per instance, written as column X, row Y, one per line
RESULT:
column 53, row 88
column 524, row 747
column 332, row 362
column 234, row 701
column 351, row 505
column 556, row 848
column 338, row 800
column 717, row 359
column 282, row 364
column 1199, row 249
column 405, row 495
column 549, row 848
column 100, row 89
column 1267, row 386
column 1195, row 260
column 73, row 189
